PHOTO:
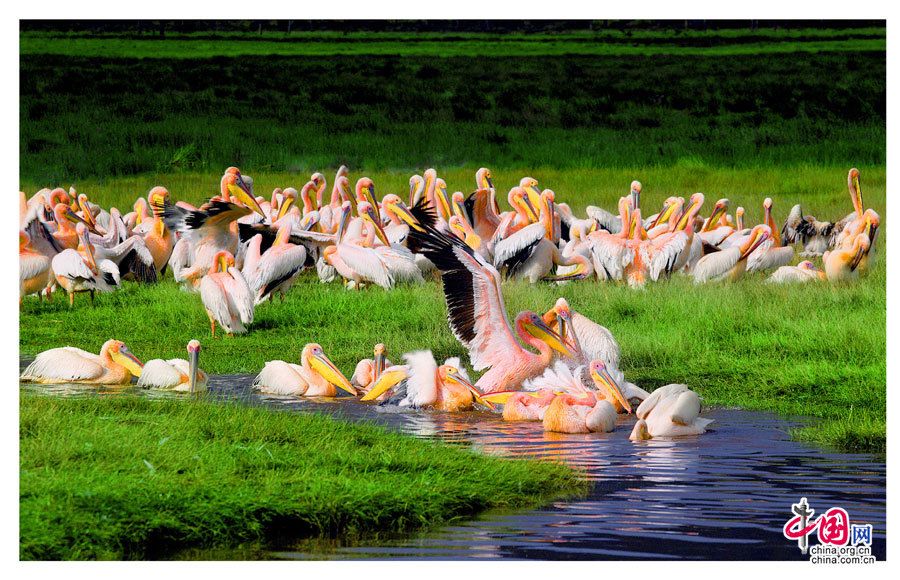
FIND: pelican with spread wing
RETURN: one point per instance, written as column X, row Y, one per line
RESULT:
column 477, row 314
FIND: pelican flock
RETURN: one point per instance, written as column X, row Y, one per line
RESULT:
column 238, row 251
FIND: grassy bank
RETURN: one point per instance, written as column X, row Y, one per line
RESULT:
column 815, row 350
column 138, row 479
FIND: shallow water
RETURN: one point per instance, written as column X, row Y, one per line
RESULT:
column 723, row 495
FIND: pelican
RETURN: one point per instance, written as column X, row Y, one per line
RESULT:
column 587, row 414
column 818, row 236
column 175, row 374
column 582, row 335
column 669, row 411
column 477, row 314
column 842, row 264
column 35, row 274
column 368, row 370
column 83, row 273
column 805, row 271
column 770, row 254
column 421, row 383
column 226, row 296
column 730, row 263
column 159, row 239
column 315, row 376
column 115, row 365
column 275, row 270
column 713, row 232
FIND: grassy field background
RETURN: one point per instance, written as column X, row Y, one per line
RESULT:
column 729, row 114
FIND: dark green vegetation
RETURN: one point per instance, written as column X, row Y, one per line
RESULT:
column 137, row 479
column 817, row 350
column 730, row 105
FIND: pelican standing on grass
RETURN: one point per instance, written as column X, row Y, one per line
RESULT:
column 175, row 374
column 115, row 365
column 35, row 275
column 76, row 273
column 315, row 376
column 226, row 296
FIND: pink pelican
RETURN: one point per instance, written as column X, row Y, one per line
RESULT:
column 76, row 272
column 669, row 411
column 115, row 365
column 315, row 376
column 175, row 374
column 275, row 270
column 226, row 296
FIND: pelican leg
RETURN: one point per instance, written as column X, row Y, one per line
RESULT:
column 92, row 297
column 212, row 324
column 71, row 299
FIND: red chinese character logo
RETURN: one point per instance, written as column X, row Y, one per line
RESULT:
column 834, row 527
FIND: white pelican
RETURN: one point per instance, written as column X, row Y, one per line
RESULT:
column 115, row 365
column 275, row 269
column 175, row 374
column 477, row 314
column 817, row 236
column 582, row 335
column 35, row 274
column 422, row 383
column 805, row 271
column 315, row 376
column 226, row 296
column 669, row 411
column 730, row 263
column 368, row 370
column 77, row 272
column 770, row 254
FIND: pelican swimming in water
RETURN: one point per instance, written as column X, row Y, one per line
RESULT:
column 421, row 383
column 315, row 376
column 226, row 296
column 477, row 314
column 368, row 370
column 587, row 414
column 175, row 374
column 669, row 411
column 115, row 365
column 76, row 272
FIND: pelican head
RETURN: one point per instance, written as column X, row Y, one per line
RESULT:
column 758, row 235
column 193, row 348
column 519, row 199
column 462, row 230
column 636, row 188
column 860, row 248
column 365, row 191
column 288, row 198
column 484, row 179
column 346, row 208
column 159, row 195
column 694, row 205
column 535, row 326
column 739, row 218
column 640, row 431
column 530, row 185
column 416, row 189
column 88, row 247
column 855, row 191
column 807, row 265
column 221, row 262
column 234, row 184
column 315, row 358
column 120, row 354
column 608, row 385
column 449, row 374
column 367, row 213
column 393, row 204
column 872, row 221
column 718, row 211
column 380, row 353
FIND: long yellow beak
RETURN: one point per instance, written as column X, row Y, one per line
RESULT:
column 404, row 214
column 457, row 378
column 387, row 380
column 330, row 373
column 242, row 192
column 611, row 387
column 286, row 204
column 129, row 361
column 543, row 332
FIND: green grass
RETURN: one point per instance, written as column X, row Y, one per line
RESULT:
column 180, row 46
column 97, row 117
column 114, row 478
column 818, row 350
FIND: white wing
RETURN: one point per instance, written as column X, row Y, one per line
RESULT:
column 64, row 364
column 275, row 267
column 70, row 264
column 240, row 297
column 609, row 256
column 557, row 377
column 31, row 265
column 665, row 252
column 791, row 274
column 597, row 342
column 281, row 378
column 367, row 263
column 525, row 237
column 609, row 221
column 717, row 264
column 160, row 374
column 770, row 257
column 421, row 387
column 400, row 262
column 251, row 256
column 212, row 294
